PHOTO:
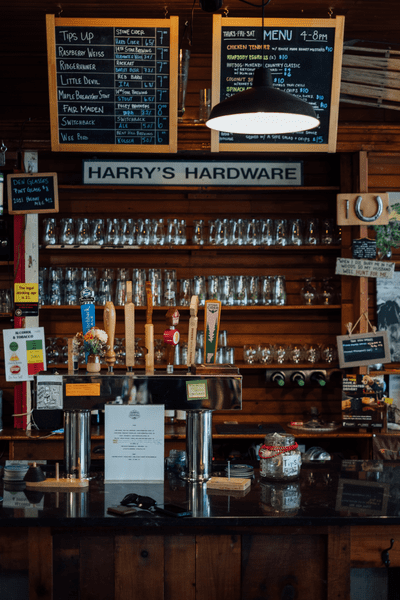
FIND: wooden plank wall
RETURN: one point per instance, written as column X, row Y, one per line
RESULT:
column 358, row 128
column 244, row 326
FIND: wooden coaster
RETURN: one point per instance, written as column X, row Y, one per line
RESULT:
column 223, row 483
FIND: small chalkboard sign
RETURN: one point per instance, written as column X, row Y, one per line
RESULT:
column 304, row 57
column 364, row 248
column 32, row 193
column 366, row 497
column 363, row 349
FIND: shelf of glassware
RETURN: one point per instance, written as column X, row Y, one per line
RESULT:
column 285, row 307
column 162, row 367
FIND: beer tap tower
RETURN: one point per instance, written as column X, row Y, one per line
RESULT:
column 199, row 391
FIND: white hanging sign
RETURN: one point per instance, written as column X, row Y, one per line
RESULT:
column 364, row 268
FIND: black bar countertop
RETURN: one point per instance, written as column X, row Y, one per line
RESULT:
column 329, row 493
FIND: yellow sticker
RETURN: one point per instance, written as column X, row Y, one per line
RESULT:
column 26, row 292
column 34, row 356
column 389, row 400
column 82, row 389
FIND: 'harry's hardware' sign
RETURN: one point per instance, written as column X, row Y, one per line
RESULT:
column 204, row 173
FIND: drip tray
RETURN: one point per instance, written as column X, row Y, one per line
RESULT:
column 248, row 428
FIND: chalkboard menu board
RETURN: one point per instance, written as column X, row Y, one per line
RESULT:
column 363, row 349
column 305, row 59
column 32, row 193
column 113, row 84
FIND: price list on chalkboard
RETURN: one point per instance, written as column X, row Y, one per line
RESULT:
column 113, row 85
column 302, row 56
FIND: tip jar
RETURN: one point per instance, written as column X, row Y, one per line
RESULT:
column 280, row 458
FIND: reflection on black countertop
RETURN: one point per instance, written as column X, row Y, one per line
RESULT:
column 330, row 493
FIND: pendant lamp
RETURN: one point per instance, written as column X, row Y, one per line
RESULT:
column 262, row 109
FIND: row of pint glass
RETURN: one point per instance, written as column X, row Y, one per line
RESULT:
column 266, row 232
column 113, row 232
column 289, row 353
column 247, row 290
column 62, row 286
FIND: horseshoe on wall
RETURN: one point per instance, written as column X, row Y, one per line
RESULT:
column 358, row 211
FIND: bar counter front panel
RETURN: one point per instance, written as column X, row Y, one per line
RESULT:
column 299, row 537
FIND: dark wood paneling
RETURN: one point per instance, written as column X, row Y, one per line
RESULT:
column 286, row 566
column 218, row 567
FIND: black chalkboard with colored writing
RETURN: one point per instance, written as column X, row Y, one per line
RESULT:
column 304, row 57
column 32, row 193
column 113, row 84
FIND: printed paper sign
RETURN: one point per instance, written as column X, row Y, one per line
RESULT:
column 134, row 442
column 24, row 353
column 364, row 268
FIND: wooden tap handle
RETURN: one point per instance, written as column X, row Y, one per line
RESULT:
column 109, row 327
column 129, row 312
column 149, row 299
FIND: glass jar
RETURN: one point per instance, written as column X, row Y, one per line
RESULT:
column 280, row 458
column 281, row 498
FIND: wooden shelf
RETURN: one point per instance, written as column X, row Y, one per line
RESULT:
column 208, row 188
column 286, row 307
column 192, row 248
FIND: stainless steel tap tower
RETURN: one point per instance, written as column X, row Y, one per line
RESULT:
column 199, row 395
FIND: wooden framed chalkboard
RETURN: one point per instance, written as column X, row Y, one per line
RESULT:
column 365, row 497
column 32, row 193
column 113, row 84
column 363, row 349
column 305, row 59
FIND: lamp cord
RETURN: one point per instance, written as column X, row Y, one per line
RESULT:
column 263, row 5
column 258, row 5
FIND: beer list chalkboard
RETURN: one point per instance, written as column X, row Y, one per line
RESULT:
column 304, row 57
column 112, row 84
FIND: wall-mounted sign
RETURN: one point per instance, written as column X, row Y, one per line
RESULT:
column 363, row 349
column 26, row 299
column 32, row 193
column 183, row 172
column 364, row 248
column 364, row 268
column 24, row 353
column 113, row 84
column 305, row 59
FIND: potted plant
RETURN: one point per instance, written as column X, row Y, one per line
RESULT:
column 388, row 236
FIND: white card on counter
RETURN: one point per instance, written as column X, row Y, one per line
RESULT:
column 134, row 442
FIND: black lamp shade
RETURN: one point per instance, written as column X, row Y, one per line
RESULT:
column 262, row 109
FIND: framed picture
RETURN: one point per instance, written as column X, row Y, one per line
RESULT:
column 388, row 312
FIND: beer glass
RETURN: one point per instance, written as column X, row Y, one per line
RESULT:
column 50, row 236
column 67, row 232
column 83, row 236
